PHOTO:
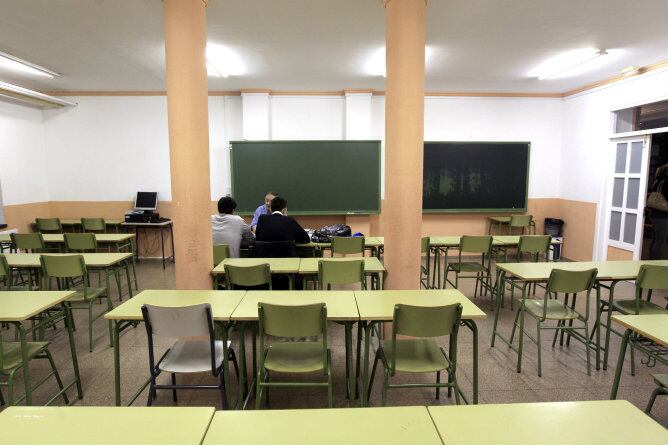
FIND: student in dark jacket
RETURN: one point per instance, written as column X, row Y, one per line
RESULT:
column 277, row 233
column 659, row 218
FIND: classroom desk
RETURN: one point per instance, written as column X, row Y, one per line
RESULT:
column 387, row 426
column 16, row 307
column 160, row 225
column 372, row 267
column 96, row 425
column 600, row 422
column 611, row 272
column 281, row 266
column 129, row 314
column 341, row 307
column 499, row 221
column 371, row 243
column 104, row 262
column 651, row 338
column 378, row 306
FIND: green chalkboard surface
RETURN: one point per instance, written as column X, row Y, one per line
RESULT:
column 465, row 177
column 316, row 177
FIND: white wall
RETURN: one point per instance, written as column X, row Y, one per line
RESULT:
column 23, row 176
column 307, row 117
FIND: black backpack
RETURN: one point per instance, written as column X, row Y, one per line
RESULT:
column 325, row 234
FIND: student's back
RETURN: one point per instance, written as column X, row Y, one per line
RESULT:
column 277, row 233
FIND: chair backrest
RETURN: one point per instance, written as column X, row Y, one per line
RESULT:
column 247, row 276
column 475, row 244
column 571, row 281
column 534, row 245
column 178, row 322
column 347, row 244
column 274, row 249
column 33, row 242
column 424, row 245
column 292, row 321
column 93, row 225
column 80, row 242
column 520, row 220
column 340, row 272
column 425, row 321
column 63, row 266
column 4, row 267
column 49, row 225
column 651, row 276
column 220, row 252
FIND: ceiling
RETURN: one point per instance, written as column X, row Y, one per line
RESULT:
column 477, row 45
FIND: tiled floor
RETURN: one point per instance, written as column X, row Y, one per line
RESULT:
column 564, row 368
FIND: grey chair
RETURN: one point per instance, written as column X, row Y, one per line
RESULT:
column 185, row 356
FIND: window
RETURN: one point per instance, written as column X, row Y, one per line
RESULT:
column 642, row 118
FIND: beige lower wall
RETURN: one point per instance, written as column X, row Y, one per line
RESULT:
column 579, row 229
column 617, row 254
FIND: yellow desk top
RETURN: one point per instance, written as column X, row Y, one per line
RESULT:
column 31, row 260
column 340, row 304
column 379, row 304
column 277, row 265
column 309, row 266
column 607, row 270
column 59, row 238
column 70, row 425
column 454, row 241
column 222, row 302
column 604, row 422
column 513, row 240
column 654, row 327
column 387, row 426
column 21, row 305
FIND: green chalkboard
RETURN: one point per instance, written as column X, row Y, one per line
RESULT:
column 316, row 177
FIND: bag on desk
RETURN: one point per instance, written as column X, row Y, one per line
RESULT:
column 325, row 234
column 657, row 201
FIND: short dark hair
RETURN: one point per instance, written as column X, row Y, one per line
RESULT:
column 226, row 204
column 278, row 204
column 271, row 193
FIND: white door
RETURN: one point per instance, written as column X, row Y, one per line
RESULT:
column 627, row 194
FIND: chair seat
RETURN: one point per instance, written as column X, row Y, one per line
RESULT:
column 556, row 310
column 416, row 355
column 91, row 294
column 661, row 379
column 294, row 356
column 467, row 267
column 192, row 356
column 646, row 307
column 11, row 353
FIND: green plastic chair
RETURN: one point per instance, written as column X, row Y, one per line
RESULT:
column 28, row 242
column 531, row 248
column 661, row 389
column 347, row 245
column 288, row 355
column 12, row 360
column 49, row 225
column 550, row 308
column 7, row 278
column 478, row 270
column 525, row 222
column 220, row 253
column 422, row 354
column 95, row 225
column 245, row 277
column 80, row 242
column 340, row 273
column 65, row 269
column 425, row 269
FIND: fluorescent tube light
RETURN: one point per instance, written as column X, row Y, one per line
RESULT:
column 15, row 92
column 16, row 64
column 570, row 63
column 375, row 64
column 221, row 61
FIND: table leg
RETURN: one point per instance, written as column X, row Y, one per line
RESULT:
column 226, row 363
column 349, row 359
column 365, row 376
column 358, row 363
column 611, row 296
column 597, row 326
column 171, row 237
column 137, row 242
column 127, row 276
column 162, row 244
column 620, row 365
column 474, row 330
column 26, row 368
column 243, row 377
column 117, row 363
column 445, row 268
column 69, row 325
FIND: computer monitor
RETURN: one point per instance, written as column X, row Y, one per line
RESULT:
column 146, row 201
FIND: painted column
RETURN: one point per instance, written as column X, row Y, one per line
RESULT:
column 404, row 133
column 187, row 109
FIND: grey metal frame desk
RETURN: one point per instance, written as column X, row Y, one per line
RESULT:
column 162, row 226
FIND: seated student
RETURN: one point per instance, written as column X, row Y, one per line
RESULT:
column 229, row 228
column 277, row 233
column 262, row 209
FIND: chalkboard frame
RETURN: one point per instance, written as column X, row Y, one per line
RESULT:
column 308, row 141
column 488, row 210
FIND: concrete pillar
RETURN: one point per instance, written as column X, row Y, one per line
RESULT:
column 256, row 114
column 404, row 133
column 187, row 109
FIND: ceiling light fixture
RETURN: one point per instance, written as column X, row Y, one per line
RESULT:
column 17, row 93
column 221, row 61
column 375, row 64
column 571, row 63
column 16, row 64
